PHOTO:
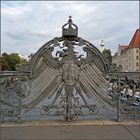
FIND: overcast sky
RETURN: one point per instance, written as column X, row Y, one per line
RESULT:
column 27, row 25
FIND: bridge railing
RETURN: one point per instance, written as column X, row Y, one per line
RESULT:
column 124, row 91
column 125, row 88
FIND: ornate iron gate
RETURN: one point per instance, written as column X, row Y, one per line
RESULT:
column 67, row 71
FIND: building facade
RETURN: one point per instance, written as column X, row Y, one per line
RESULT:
column 128, row 56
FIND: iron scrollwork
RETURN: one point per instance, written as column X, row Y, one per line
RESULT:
column 73, row 75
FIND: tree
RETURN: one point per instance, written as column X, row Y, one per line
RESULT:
column 14, row 59
column 107, row 54
column 23, row 61
column 5, row 61
column 9, row 61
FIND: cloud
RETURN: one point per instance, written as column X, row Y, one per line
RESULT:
column 27, row 25
column 14, row 10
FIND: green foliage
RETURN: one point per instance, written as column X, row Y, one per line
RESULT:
column 9, row 61
column 23, row 61
column 107, row 54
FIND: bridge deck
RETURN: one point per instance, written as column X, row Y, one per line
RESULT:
column 72, row 130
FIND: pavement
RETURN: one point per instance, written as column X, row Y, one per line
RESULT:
column 75, row 130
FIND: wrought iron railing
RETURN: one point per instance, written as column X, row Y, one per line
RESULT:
column 13, row 89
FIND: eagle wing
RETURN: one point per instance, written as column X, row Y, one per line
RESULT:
column 92, row 78
column 45, row 77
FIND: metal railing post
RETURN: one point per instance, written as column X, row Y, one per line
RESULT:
column 118, row 101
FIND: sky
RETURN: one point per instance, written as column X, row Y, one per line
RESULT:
column 27, row 25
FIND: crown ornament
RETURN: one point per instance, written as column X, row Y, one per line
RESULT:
column 69, row 30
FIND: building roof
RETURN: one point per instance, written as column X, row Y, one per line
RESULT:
column 135, row 42
column 124, row 46
column 122, row 49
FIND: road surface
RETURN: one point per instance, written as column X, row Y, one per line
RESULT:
column 106, row 130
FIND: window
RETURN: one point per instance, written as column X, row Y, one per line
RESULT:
column 137, row 64
column 137, row 57
column 137, row 51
